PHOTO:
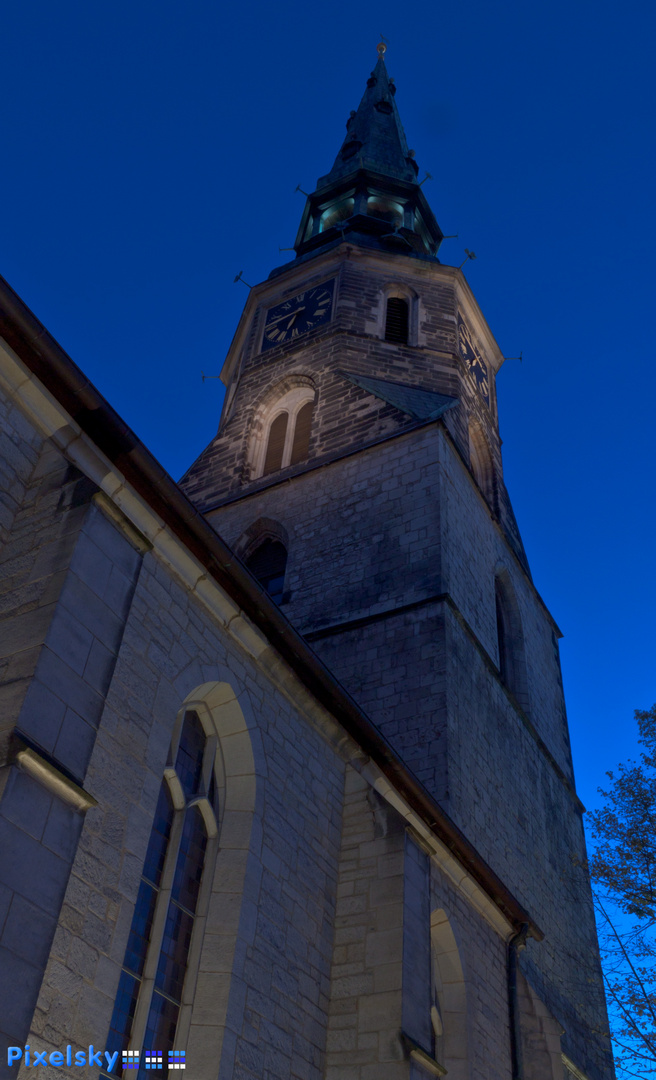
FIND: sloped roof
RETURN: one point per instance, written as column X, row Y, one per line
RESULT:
column 375, row 138
column 412, row 400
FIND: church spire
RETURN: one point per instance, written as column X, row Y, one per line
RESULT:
column 375, row 135
column 371, row 193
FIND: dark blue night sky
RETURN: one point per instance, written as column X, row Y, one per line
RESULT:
column 151, row 151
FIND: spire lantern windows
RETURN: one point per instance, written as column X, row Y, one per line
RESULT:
column 386, row 209
column 336, row 212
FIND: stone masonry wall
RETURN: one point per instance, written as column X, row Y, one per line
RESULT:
column 479, row 1046
column 363, row 532
column 366, row 999
column 429, row 676
column 276, row 1014
column 472, row 552
column 399, row 524
column 58, row 641
column 511, row 804
column 380, row 989
column 20, row 445
column 395, row 668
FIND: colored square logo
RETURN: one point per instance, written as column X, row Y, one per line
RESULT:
column 177, row 1059
column 130, row 1059
column 153, row 1059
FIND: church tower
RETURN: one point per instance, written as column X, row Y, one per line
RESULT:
column 357, row 472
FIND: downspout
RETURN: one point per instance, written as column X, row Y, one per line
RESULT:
column 515, row 945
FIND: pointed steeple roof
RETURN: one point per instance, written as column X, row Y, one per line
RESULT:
column 371, row 194
column 375, row 138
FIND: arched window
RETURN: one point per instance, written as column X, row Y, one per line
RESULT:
column 268, row 564
column 149, row 996
column 540, row 1035
column 385, row 209
column 287, row 439
column 397, row 320
column 480, row 460
column 510, row 639
column 276, row 443
column 449, row 999
column 302, row 429
column 336, row 212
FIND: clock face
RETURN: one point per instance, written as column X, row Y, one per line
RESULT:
column 296, row 316
column 471, row 354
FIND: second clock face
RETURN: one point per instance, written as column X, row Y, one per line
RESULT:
column 298, row 315
column 471, row 354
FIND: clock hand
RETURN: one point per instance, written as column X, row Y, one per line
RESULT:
column 287, row 315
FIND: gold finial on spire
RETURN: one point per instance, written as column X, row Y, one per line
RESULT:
column 381, row 47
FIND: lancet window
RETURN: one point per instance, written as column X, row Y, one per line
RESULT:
column 181, row 847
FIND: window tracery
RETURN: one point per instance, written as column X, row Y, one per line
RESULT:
column 180, row 850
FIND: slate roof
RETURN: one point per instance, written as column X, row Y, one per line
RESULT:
column 412, row 400
column 375, row 138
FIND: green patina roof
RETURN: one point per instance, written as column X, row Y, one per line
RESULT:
column 375, row 138
column 412, row 400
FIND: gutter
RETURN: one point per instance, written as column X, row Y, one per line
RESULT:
column 48, row 362
column 515, row 945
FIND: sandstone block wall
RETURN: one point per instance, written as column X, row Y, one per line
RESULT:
column 391, row 574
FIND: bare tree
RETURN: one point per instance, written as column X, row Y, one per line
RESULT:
column 623, row 870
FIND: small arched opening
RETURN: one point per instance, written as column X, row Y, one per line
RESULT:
column 397, row 320
column 268, row 564
column 510, row 639
column 449, row 999
column 480, row 460
column 398, row 315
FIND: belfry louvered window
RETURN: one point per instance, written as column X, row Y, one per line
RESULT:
column 268, row 564
column 288, row 437
column 396, row 320
column 149, row 997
